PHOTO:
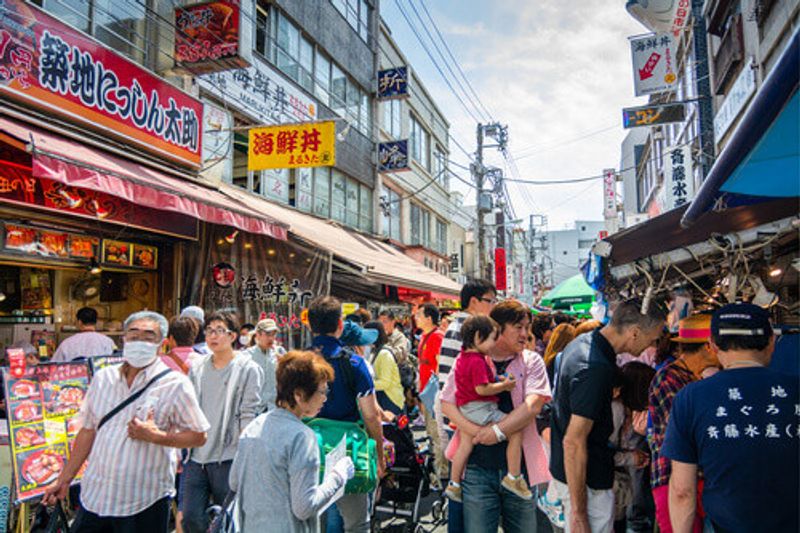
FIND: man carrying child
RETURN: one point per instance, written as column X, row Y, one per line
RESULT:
column 487, row 504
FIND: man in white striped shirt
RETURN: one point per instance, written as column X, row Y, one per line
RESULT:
column 132, row 458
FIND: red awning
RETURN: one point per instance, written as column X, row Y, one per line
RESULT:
column 79, row 165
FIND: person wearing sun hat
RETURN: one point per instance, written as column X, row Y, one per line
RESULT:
column 740, row 427
column 694, row 356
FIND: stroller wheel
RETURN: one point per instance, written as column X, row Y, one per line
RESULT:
column 437, row 510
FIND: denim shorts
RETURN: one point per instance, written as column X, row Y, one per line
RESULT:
column 482, row 413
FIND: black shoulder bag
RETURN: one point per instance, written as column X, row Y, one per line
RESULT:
column 130, row 399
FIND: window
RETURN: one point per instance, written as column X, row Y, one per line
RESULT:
column 585, row 243
column 338, row 196
column 338, row 90
column 356, row 13
column 418, row 140
column 119, row 25
column 416, row 223
column 391, row 215
column 440, row 167
column 351, row 202
column 365, row 209
column 322, row 78
column 277, row 184
column 306, row 65
column 441, row 237
column 392, row 123
column 304, row 189
column 425, row 239
column 322, row 191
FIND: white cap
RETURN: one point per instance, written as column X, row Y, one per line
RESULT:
column 195, row 312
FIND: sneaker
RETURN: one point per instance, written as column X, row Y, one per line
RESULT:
column 554, row 510
column 453, row 492
column 518, row 486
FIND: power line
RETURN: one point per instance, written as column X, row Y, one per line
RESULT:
column 455, row 62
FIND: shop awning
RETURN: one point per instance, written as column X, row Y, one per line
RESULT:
column 762, row 158
column 79, row 165
column 377, row 261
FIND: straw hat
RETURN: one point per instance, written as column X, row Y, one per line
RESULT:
column 695, row 329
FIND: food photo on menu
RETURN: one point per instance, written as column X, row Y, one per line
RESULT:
column 40, row 467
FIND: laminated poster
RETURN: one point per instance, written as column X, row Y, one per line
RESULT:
column 42, row 422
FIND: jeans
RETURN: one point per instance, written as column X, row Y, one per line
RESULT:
column 487, row 504
column 154, row 519
column 201, row 481
column 354, row 513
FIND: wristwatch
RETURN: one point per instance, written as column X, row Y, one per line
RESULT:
column 498, row 433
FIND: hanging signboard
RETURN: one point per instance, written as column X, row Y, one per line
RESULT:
column 653, row 63
column 217, row 143
column 500, row 274
column 609, row 193
column 292, row 146
column 49, row 65
column 742, row 89
column 42, row 407
column 261, row 93
column 19, row 187
column 208, row 36
column 661, row 15
column 678, row 177
column 652, row 115
column 393, row 83
column 393, row 156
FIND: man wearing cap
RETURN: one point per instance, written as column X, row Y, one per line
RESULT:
column 741, row 427
column 266, row 354
column 694, row 356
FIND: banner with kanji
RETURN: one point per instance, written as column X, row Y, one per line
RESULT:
column 292, row 146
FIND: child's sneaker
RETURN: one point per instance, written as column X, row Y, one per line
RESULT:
column 554, row 510
column 453, row 492
column 518, row 486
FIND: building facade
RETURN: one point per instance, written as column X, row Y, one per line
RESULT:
column 568, row 249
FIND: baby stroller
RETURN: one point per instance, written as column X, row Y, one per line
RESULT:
column 405, row 492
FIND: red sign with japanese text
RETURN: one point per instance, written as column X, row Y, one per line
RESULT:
column 292, row 146
column 47, row 64
column 19, row 187
column 207, row 37
column 500, row 274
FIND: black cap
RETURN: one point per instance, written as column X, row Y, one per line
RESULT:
column 740, row 320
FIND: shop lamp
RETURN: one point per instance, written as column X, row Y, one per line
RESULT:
column 2, row 296
column 94, row 267
column 230, row 239
column 775, row 271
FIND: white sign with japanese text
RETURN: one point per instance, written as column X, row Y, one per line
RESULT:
column 609, row 193
column 653, row 63
column 661, row 15
column 678, row 177
column 261, row 93
column 217, row 143
column 743, row 88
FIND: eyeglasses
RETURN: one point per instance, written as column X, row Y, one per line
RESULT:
column 488, row 300
column 210, row 332
column 146, row 335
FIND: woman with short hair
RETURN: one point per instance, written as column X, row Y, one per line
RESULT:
column 276, row 470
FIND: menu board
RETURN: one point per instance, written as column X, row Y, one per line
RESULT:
column 42, row 417
column 48, row 243
column 116, row 253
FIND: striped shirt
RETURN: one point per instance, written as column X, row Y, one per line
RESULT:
column 124, row 476
column 451, row 346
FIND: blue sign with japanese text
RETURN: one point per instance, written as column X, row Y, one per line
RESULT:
column 393, row 156
column 393, row 83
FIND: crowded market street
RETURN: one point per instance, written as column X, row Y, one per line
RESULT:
column 359, row 266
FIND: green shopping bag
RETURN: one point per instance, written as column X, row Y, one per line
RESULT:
column 360, row 448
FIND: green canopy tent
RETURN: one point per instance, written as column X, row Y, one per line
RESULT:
column 572, row 294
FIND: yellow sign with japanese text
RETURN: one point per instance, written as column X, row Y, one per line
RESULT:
column 292, row 146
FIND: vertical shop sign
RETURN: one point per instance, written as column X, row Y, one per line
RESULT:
column 47, row 64
column 609, row 193
column 500, row 274
column 393, row 83
column 217, row 143
column 678, row 177
column 208, row 36
column 661, row 15
column 393, row 156
column 292, row 146
column 653, row 63
column 42, row 407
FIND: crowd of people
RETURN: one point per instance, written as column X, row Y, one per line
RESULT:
column 538, row 422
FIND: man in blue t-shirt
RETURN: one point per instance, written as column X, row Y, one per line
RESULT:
column 352, row 391
column 741, row 427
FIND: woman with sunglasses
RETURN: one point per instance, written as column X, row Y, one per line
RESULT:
column 276, row 471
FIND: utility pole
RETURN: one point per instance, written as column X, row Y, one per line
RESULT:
column 704, row 101
column 479, row 172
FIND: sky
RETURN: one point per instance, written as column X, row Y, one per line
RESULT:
column 558, row 76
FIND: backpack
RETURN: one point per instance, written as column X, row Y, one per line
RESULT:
column 407, row 369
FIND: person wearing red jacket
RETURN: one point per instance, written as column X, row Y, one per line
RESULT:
column 430, row 344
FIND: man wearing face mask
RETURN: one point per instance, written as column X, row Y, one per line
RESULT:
column 266, row 354
column 133, row 418
column 228, row 387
